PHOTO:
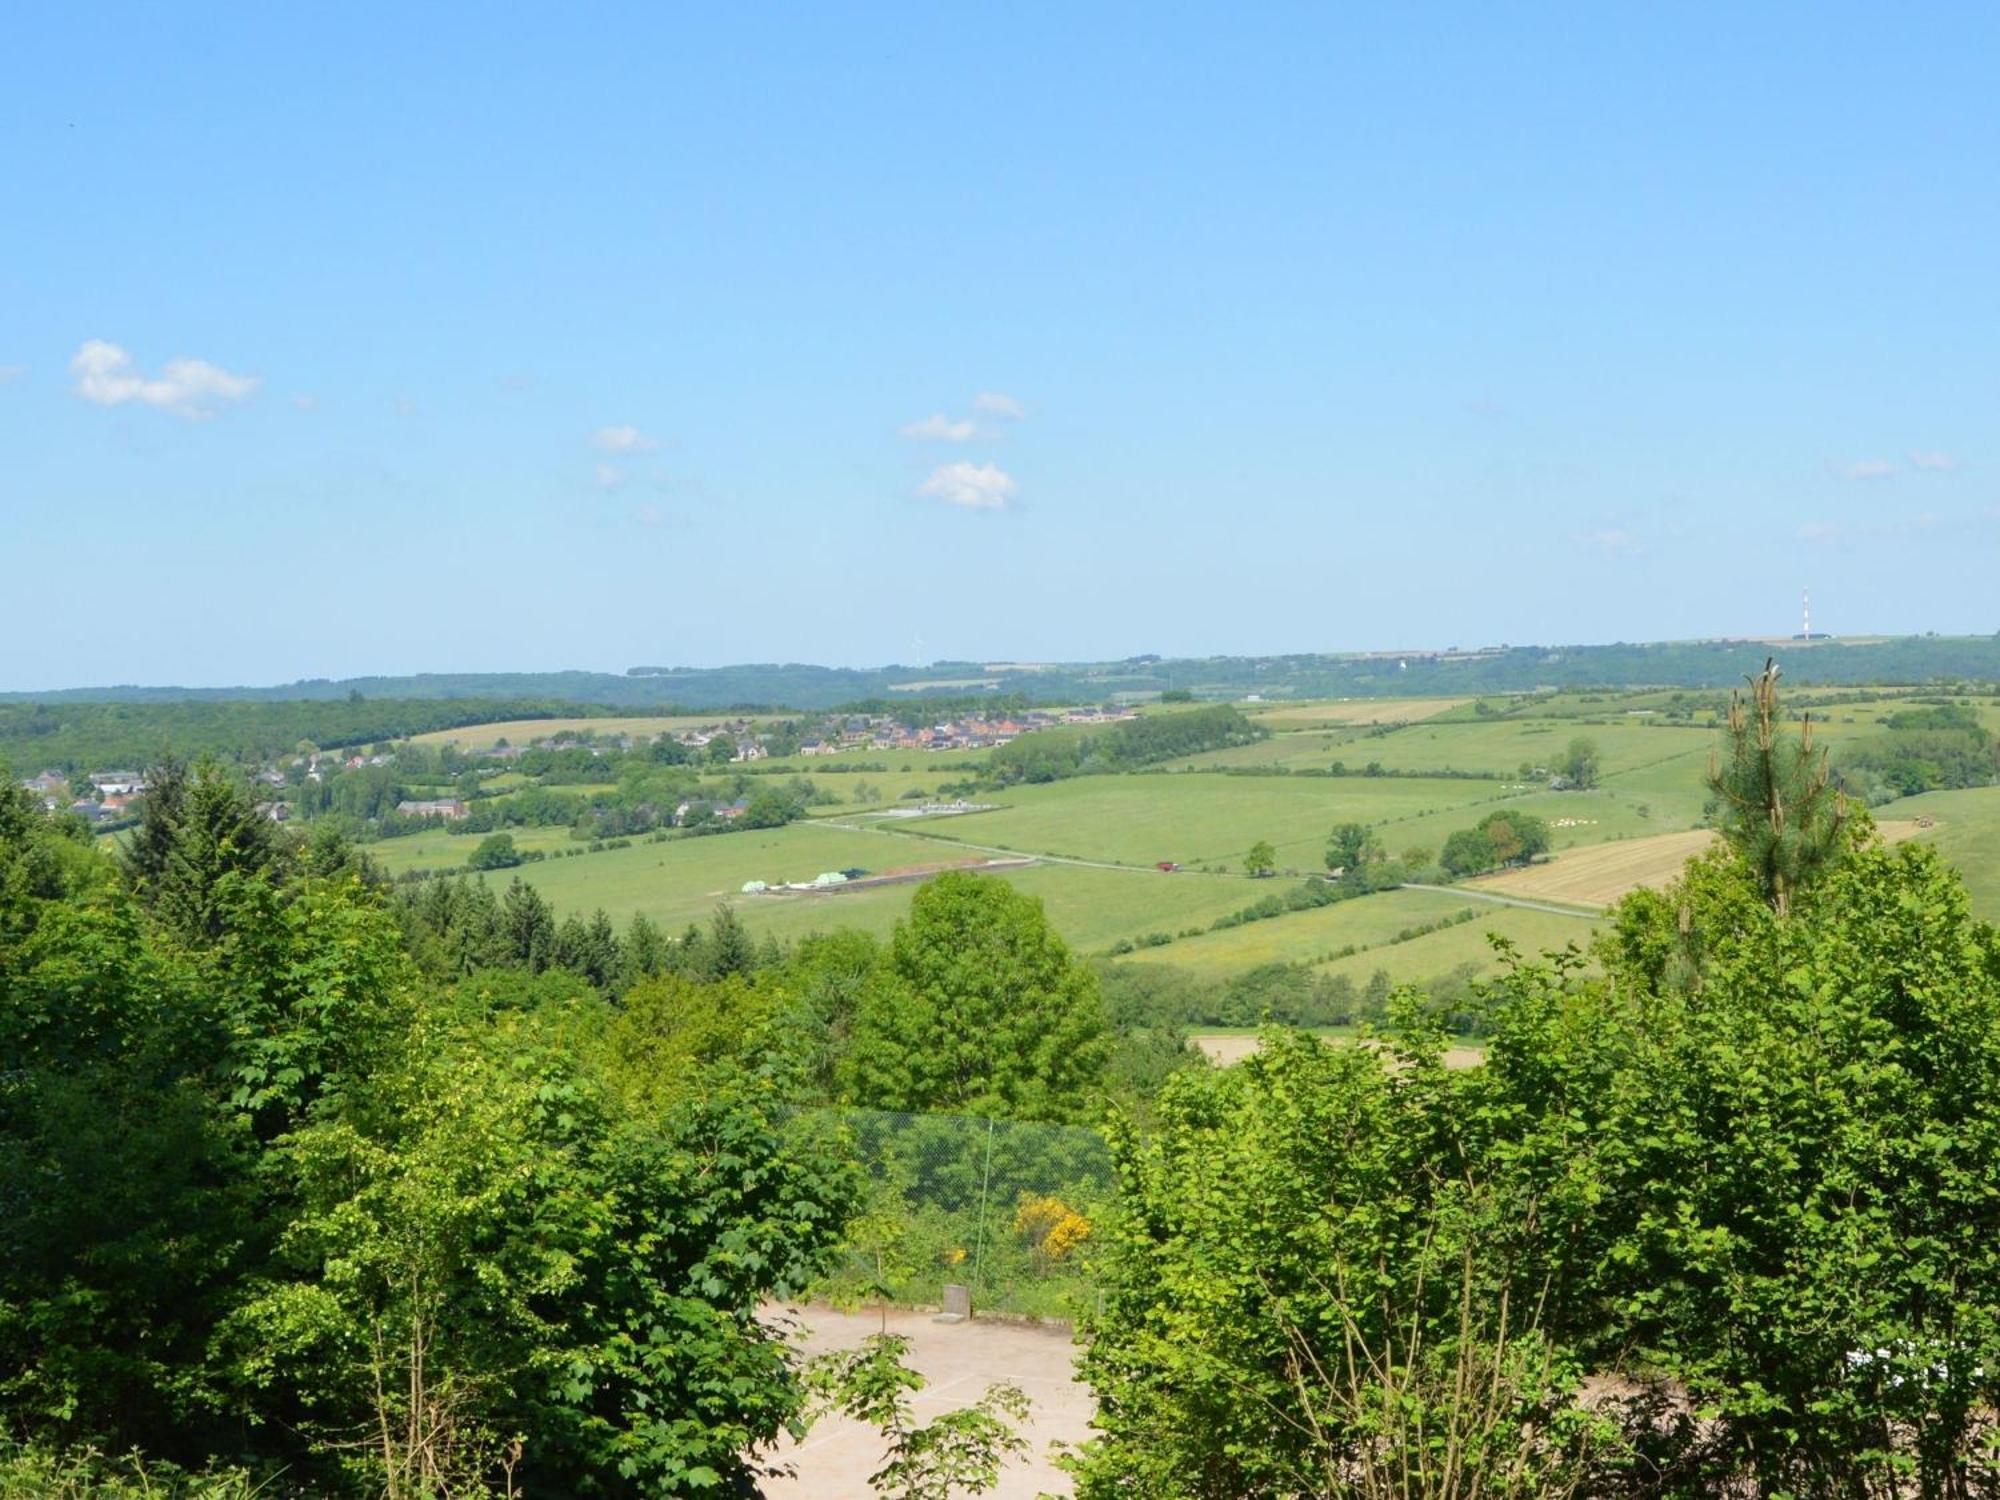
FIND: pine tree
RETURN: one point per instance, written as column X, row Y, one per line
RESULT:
column 1780, row 808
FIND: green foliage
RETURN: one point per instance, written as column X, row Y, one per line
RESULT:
column 495, row 852
column 1507, row 837
column 268, row 1197
column 1261, row 861
column 1581, row 764
column 1780, row 809
column 957, row 1452
column 1367, row 1327
column 34, row 1472
column 1054, row 754
column 1745, row 1176
column 978, row 1008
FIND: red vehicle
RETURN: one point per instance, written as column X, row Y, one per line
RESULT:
column 1166, row 867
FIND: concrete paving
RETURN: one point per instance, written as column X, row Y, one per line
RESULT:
column 959, row 1360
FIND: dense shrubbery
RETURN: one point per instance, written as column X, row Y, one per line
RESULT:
column 288, row 1159
column 1753, row 1167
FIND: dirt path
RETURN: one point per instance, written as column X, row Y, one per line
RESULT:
column 958, row 1361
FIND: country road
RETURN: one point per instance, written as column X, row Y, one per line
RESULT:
column 1498, row 900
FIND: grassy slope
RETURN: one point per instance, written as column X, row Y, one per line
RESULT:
column 1428, row 957
column 1300, row 937
column 1197, row 818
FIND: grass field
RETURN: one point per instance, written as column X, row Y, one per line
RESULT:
column 683, row 880
column 1967, row 833
column 437, row 850
column 1432, row 957
column 1306, row 936
column 1200, row 819
column 1338, row 711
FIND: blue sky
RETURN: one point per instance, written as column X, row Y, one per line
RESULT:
column 358, row 338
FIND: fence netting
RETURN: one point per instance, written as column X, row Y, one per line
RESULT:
column 1003, row 1207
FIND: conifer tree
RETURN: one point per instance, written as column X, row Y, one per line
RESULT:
column 1780, row 808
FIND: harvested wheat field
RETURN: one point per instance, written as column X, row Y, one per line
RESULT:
column 1599, row 874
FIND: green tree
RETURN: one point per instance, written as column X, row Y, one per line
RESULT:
column 495, row 852
column 1582, row 763
column 1780, row 807
column 1261, row 861
column 1311, row 1289
column 529, row 925
column 1468, row 851
column 978, row 1008
column 1350, row 847
column 1718, row 1114
column 200, row 840
column 957, row 1452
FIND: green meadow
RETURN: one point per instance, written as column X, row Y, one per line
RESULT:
column 1198, row 814
column 1198, row 819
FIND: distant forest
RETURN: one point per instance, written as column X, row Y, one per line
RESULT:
column 74, row 726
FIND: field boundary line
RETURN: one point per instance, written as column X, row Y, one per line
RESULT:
column 1581, row 910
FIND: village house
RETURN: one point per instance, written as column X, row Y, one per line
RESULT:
column 118, row 783
column 440, row 807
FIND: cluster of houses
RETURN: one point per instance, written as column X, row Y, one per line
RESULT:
column 112, row 798
column 973, row 732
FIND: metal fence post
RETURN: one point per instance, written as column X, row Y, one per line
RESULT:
column 979, row 1245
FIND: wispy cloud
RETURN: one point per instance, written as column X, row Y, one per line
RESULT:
column 1485, row 406
column 1868, row 468
column 973, row 486
column 1613, row 541
column 306, row 403
column 995, row 404
column 609, row 476
column 622, row 440
column 1933, row 462
column 938, row 428
column 1821, row 532
column 192, row 388
column 648, row 515
column 11, row 373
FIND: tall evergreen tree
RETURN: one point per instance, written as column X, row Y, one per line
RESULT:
column 1779, row 805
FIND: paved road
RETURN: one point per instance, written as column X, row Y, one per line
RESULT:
column 1499, row 900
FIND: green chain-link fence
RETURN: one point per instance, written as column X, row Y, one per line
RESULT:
column 1003, row 1207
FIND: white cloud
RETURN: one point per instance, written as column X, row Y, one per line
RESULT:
column 648, row 515
column 974, row 486
column 191, row 388
column 622, row 440
column 306, row 403
column 1933, row 462
column 1613, row 541
column 11, row 373
column 608, row 476
column 994, row 404
column 938, row 428
column 1868, row 468
column 406, row 406
column 1821, row 531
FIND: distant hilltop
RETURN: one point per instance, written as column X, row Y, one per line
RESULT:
column 1893, row 660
